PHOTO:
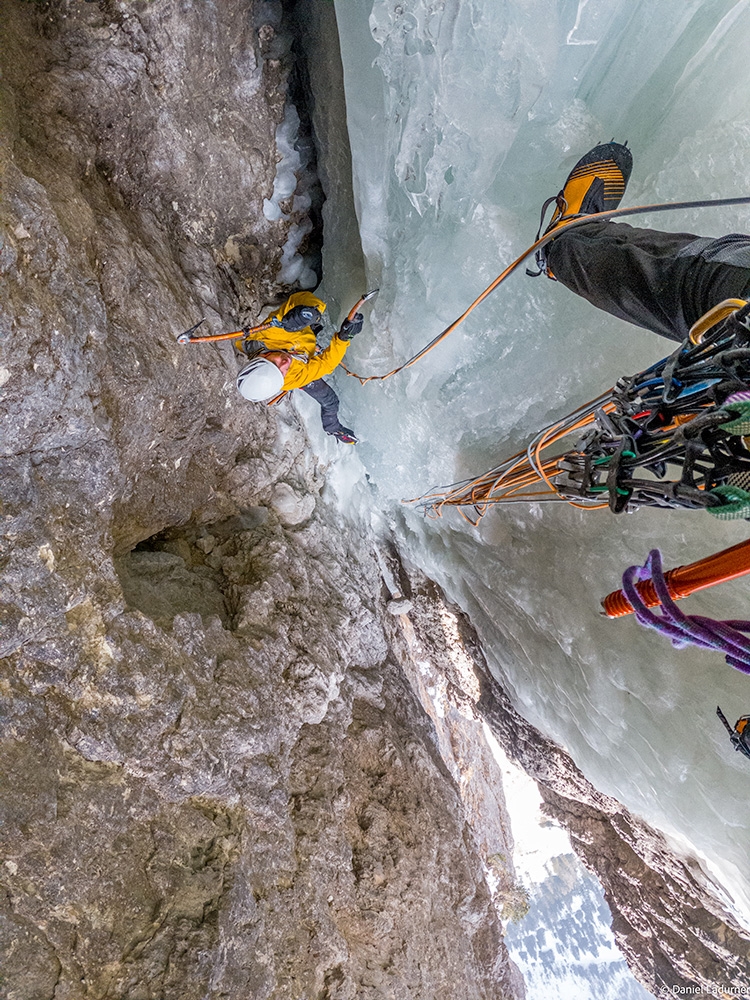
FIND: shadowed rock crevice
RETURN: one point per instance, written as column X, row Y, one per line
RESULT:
column 193, row 569
column 228, row 568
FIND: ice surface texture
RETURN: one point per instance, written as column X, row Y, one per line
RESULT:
column 463, row 117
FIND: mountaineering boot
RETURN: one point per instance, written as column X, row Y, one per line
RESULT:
column 345, row 436
column 595, row 184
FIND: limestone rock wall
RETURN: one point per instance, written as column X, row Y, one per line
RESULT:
column 216, row 780
column 235, row 760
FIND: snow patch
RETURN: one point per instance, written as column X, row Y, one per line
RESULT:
column 292, row 172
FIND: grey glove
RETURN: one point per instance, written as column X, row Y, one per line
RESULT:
column 300, row 317
column 351, row 327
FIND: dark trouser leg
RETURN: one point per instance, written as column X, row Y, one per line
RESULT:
column 322, row 393
column 661, row 281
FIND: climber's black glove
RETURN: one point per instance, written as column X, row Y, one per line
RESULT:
column 351, row 327
column 300, row 317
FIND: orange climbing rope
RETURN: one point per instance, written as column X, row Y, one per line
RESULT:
column 541, row 242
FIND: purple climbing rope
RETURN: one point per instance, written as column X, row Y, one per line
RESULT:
column 684, row 630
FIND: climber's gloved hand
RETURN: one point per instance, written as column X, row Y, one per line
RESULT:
column 351, row 327
column 300, row 317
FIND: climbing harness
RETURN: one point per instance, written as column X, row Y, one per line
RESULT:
column 740, row 735
column 670, row 436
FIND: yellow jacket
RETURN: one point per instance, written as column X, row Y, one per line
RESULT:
column 306, row 366
column 276, row 338
column 303, row 372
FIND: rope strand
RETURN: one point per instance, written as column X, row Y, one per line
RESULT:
column 543, row 241
column 708, row 633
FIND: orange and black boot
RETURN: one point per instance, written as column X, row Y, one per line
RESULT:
column 595, row 184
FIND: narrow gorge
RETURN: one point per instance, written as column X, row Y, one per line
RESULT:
column 241, row 734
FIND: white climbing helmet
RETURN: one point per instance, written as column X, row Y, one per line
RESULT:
column 260, row 380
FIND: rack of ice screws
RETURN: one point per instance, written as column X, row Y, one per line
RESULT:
column 676, row 435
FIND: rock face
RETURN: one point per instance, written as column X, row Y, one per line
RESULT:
column 216, row 778
column 666, row 916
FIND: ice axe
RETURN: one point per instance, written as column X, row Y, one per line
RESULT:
column 186, row 338
column 740, row 735
column 357, row 306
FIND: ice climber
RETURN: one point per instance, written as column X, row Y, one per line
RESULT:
column 286, row 356
column 663, row 282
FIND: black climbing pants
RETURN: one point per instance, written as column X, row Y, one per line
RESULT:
column 661, row 281
column 323, row 394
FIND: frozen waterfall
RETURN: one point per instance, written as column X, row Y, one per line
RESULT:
column 464, row 115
